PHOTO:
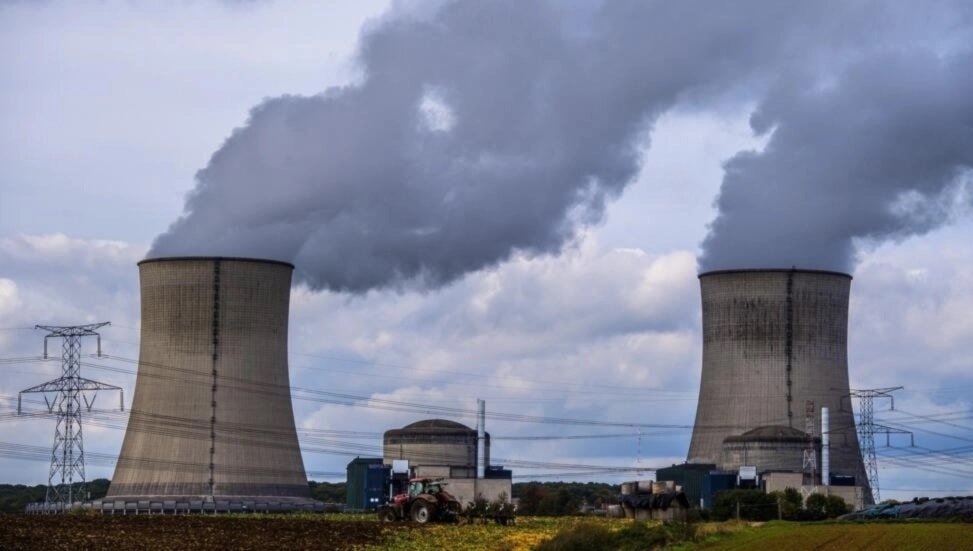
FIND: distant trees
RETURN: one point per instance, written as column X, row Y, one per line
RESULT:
column 789, row 504
column 820, row 507
column 14, row 497
column 561, row 498
column 752, row 505
column 328, row 492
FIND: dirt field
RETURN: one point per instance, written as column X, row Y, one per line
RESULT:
column 185, row 532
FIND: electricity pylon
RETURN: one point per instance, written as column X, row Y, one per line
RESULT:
column 867, row 427
column 64, row 397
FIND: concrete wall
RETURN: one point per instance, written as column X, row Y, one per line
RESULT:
column 771, row 340
column 778, row 482
column 212, row 410
column 444, row 452
column 467, row 489
column 765, row 455
column 433, row 442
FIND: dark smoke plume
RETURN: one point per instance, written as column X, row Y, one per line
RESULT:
column 884, row 152
column 491, row 128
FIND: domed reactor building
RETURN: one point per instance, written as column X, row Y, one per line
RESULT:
column 211, row 425
column 774, row 340
column 440, row 448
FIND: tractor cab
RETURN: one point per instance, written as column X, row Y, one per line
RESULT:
column 431, row 486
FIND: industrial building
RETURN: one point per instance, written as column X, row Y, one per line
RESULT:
column 212, row 425
column 441, row 448
column 774, row 343
column 367, row 484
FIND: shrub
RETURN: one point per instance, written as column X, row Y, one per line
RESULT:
column 582, row 537
column 791, row 502
column 835, row 507
column 634, row 537
column 815, row 507
column 754, row 505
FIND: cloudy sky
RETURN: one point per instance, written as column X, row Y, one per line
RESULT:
column 508, row 201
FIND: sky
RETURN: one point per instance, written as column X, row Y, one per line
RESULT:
column 482, row 205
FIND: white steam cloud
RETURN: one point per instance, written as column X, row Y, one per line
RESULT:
column 485, row 129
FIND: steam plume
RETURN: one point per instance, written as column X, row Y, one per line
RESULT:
column 490, row 128
column 884, row 152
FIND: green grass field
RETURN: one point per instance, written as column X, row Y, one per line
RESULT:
column 786, row 536
column 772, row 536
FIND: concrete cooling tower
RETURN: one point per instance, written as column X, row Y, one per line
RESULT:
column 773, row 339
column 211, row 420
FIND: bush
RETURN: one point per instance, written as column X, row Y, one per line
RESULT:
column 634, row 537
column 582, row 537
column 791, row 502
column 835, row 507
column 754, row 505
column 815, row 506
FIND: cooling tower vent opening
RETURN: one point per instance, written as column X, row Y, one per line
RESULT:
column 169, row 259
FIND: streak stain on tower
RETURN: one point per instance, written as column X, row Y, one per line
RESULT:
column 773, row 339
column 212, row 414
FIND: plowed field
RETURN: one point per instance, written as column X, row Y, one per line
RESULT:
column 186, row 532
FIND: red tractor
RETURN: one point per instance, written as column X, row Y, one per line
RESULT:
column 426, row 501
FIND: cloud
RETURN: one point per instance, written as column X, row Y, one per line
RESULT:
column 909, row 310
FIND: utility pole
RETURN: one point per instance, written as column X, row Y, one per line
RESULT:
column 64, row 397
column 867, row 429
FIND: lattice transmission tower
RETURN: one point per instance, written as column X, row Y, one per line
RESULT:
column 867, row 428
column 810, row 450
column 64, row 397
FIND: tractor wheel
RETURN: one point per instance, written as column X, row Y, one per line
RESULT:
column 423, row 512
column 387, row 514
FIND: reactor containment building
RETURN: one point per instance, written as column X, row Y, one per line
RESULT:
column 211, row 420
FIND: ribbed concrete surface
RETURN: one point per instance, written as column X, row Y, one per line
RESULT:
column 772, row 448
column 212, row 411
column 433, row 442
column 755, row 324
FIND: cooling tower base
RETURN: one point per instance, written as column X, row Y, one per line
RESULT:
column 141, row 504
column 268, row 491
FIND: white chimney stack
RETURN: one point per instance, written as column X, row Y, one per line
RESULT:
column 825, row 451
column 481, row 438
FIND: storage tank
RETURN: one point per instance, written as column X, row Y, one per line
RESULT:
column 212, row 415
column 773, row 339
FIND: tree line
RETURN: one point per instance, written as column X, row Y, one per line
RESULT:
column 15, row 497
column 562, row 498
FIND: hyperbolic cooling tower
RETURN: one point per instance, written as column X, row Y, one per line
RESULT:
column 773, row 339
column 212, row 413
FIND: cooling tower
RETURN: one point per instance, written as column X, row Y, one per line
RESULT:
column 773, row 339
column 212, row 418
